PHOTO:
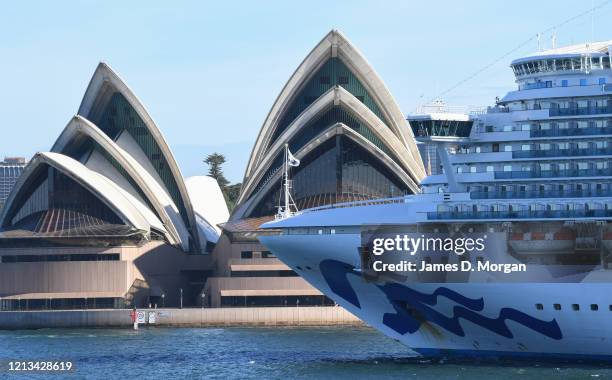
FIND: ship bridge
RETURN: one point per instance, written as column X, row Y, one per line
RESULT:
column 438, row 128
column 438, row 122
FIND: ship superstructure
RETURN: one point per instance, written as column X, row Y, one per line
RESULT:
column 533, row 172
column 548, row 139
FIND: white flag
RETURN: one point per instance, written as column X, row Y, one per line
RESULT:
column 292, row 161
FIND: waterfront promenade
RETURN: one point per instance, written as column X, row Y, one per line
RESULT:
column 191, row 317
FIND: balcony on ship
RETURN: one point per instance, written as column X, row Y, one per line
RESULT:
column 584, row 193
column 559, row 173
column 573, row 131
column 562, row 153
column 520, row 214
column 575, row 110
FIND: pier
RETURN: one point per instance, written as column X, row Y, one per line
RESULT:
column 171, row 317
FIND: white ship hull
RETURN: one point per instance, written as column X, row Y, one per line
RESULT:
column 458, row 319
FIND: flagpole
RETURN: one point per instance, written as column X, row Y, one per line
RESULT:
column 284, row 211
column 287, row 203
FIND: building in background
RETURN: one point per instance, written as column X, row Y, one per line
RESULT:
column 105, row 219
column 340, row 120
column 10, row 170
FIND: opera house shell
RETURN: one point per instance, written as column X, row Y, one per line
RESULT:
column 339, row 119
column 106, row 213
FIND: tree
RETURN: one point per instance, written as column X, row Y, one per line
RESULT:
column 215, row 170
column 214, row 162
column 231, row 194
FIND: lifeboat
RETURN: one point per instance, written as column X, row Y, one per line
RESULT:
column 536, row 243
column 607, row 240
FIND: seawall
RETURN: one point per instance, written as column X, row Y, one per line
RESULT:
column 193, row 317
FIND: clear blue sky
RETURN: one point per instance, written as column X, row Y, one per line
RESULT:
column 208, row 72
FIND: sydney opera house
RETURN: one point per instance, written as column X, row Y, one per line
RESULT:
column 340, row 120
column 105, row 219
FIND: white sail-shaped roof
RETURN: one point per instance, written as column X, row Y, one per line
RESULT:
column 125, row 163
column 335, row 44
column 334, row 97
column 103, row 189
column 208, row 204
column 81, row 128
column 333, row 91
column 103, row 85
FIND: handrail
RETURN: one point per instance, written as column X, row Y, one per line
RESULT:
column 573, row 131
column 370, row 202
column 539, row 194
column 573, row 152
column 517, row 174
column 524, row 214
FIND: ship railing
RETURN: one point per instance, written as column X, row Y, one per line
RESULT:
column 556, row 132
column 525, row 214
column 540, row 194
column 577, row 111
column 379, row 201
column 497, row 109
column 443, row 108
column 561, row 152
column 518, row 174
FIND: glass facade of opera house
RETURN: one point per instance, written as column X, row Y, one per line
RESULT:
column 338, row 170
column 105, row 218
column 60, row 206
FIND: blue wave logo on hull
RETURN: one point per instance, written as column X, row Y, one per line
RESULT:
column 413, row 308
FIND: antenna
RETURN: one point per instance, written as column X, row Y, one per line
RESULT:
column 538, row 37
column 554, row 40
column 592, row 21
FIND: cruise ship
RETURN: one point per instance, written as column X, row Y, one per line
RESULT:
column 532, row 175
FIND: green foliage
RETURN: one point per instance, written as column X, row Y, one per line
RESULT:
column 215, row 162
column 231, row 194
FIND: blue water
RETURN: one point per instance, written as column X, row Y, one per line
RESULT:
column 257, row 353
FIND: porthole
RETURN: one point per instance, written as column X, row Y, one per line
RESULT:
column 575, row 307
column 557, row 306
column 594, row 307
column 539, row 306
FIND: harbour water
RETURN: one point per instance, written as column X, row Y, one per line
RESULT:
column 270, row 353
